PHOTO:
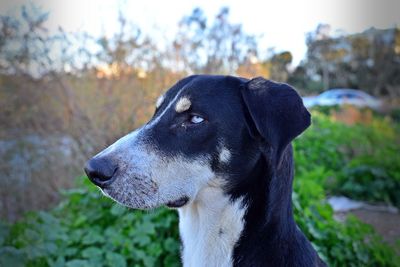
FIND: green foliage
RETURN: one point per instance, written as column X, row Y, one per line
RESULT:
column 363, row 159
column 395, row 114
column 351, row 243
column 360, row 161
column 88, row 229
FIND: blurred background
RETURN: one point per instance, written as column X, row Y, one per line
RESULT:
column 77, row 75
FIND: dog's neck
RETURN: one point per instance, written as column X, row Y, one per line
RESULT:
column 255, row 218
column 210, row 227
column 269, row 218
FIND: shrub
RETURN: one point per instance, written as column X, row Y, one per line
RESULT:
column 90, row 230
column 362, row 158
column 351, row 243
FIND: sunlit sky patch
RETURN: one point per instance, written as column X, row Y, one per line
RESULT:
column 282, row 24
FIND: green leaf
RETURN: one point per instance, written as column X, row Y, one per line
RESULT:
column 78, row 263
column 117, row 210
column 92, row 252
column 115, row 260
column 10, row 256
column 4, row 232
column 92, row 237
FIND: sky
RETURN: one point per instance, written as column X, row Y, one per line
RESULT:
column 282, row 24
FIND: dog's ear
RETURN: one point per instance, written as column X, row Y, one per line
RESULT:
column 276, row 112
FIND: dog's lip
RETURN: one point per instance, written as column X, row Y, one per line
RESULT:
column 180, row 202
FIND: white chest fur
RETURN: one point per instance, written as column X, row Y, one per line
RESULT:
column 209, row 228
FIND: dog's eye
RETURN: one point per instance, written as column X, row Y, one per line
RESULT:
column 195, row 119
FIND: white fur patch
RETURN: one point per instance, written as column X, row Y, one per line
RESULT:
column 183, row 104
column 224, row 155
column 159, row 101
column 147, row 178
column 210, row 226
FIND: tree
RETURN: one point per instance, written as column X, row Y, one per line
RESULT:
column 368, row 61
column 219, row 47
column 279, row 66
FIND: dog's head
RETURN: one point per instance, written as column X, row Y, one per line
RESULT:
column 206, row 131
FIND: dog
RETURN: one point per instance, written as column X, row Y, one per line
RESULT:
column 218, row 150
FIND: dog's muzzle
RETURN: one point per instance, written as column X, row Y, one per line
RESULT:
column 101, row 171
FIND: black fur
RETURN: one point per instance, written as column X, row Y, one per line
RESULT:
column 275, row 115
column 255, row 120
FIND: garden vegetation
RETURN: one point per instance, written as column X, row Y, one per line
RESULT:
column 88, row 229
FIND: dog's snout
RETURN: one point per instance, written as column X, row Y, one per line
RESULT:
column 100, row 171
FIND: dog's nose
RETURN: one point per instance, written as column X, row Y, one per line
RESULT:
column 100, row 171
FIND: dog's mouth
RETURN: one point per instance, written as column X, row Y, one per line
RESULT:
column 178, row 203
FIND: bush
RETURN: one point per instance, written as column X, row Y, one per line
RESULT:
column 90, row 230
column 362, row 158
column 351, row 243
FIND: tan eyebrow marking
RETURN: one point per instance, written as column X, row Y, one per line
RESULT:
column 183, row 104
column 160, row 100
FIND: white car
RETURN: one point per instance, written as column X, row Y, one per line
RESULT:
column 341, row 97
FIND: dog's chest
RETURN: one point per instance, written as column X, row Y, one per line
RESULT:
column 210, row 228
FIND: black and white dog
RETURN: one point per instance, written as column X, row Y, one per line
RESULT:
column 217, row 149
